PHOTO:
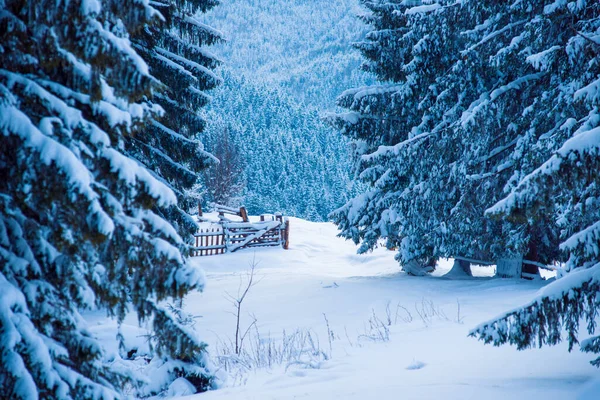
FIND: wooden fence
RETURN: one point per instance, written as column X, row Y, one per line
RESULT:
column 230, row 236
column 509, row 267
column 209, row 242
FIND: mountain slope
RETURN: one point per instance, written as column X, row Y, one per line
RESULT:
column 302, row 46
column 284, row 64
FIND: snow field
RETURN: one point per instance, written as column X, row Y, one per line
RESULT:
column 320, row 289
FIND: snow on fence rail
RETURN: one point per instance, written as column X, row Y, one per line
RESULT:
column 229, row 236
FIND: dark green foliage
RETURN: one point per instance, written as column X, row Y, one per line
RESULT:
column 225, row 183
column 298, row 46
column 169, row 146
column 464, row 119
column 407, row 201
column 546, row 320
column 77, row 229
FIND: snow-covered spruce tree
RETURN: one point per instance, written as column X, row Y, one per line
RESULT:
column 399, row 127
column 169, row 146
column 305, row 55
column 498, row 133
column 454, row 130
column 76, row 223
column 225, row 182
column 564, row 186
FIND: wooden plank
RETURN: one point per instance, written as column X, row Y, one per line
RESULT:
column 527, row 275
column 239, row 237
column 215, row 247
column 221, row 207
column 509, row 267
column 200, row 243
column 206, row 234
column 252, row 225
column 212, row 242
column 540, row 265
column 266, row 227
column 262, row 245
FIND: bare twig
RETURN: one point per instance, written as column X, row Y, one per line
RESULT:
column 406, row 319
column 377, row 330
column 237, row 304
column 254, row 320
column 583, row 35
column 459, row 318
column 388, row 313
column 348, row 336
column 330, row 336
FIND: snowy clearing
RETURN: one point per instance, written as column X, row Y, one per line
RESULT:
column 417, row 349
column 426, row 358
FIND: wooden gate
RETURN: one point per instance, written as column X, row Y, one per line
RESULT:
column 229, row 236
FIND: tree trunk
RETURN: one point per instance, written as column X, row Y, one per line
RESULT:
column 460, row 268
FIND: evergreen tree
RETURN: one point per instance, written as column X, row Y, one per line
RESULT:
column 456, row 127
column 563, row 44
column 77, row 228
column 225, row 181
column 491, row 105
column 169, row 146
column 397, row 130
column 294, row 45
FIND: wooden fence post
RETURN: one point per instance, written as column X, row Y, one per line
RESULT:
column 223, row 241
column 286, row 235
column 244, row 214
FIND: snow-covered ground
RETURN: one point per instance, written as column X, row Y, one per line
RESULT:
column 321, row 280
column 426, row 358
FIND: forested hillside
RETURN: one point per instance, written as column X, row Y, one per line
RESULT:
column 303, row 46
column 278, row 155
column 284, row 64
